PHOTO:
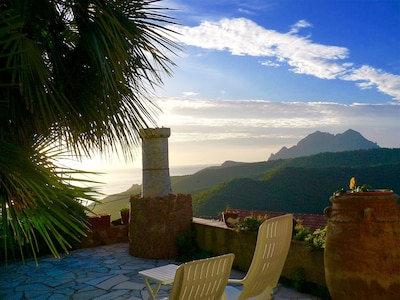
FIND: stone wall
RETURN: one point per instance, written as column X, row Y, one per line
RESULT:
column 156, row 223
column 105, row 236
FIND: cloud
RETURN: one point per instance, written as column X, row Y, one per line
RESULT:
column 206, row 120
column 299, row 25
column 190, row 94
column 368, row 77
column 212, row 131
column 270, row 63
column 241, row 36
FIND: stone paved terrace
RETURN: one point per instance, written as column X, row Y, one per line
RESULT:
column 104, row 272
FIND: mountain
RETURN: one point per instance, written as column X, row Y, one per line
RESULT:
column 112, row 204
column 319, row 142
column 290, row 189
column 298, row 185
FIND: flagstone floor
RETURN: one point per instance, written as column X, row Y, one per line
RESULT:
column 101, row 273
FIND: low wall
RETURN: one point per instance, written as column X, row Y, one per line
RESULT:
column 105, row 236
column 214, row 236
column 312, row 263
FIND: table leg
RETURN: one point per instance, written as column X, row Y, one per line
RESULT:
column 153, row 292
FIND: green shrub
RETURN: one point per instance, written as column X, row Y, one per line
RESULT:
column 298, row 279
column 316, row 240
column 313, row 240
column 300, row 231
column 188, row 249
column 251, row 223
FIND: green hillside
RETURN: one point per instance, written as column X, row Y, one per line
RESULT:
column 300, row 190
column 301, row 185
column 112, row 204
column 206, row 178
column 209, row 177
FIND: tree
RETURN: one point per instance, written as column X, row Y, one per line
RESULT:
column 76, row 78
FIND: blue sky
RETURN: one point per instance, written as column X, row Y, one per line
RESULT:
column 341, row 51
column 258, row 75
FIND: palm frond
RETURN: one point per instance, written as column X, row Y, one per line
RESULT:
column 80, row 74
column 37, row 199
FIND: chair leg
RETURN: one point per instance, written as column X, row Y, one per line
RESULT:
column 266, row 295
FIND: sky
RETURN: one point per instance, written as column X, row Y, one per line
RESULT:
column 258, row 75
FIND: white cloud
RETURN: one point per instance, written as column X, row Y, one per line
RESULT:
column 194, row 121
column 270, row 63
column 212, row 131
column 299, row 25
column 242, row 36
column 369, row 77
column 244, row 11
column 190, row 94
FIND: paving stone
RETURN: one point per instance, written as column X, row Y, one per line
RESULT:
column 101, row 273
column 12, row 296
column 56, row 282
column 30, row 287
column 129, row 285
column 109, row 283
column 114, row 295
column 88, row 295
column 98, row 280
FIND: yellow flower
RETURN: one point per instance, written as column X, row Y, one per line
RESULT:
column 352, row 184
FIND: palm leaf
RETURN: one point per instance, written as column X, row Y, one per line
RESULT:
column 38, row 200
column 78, row 74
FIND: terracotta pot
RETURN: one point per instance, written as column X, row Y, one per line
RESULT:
column 124, row 218
column 102, row 221
column 230, row 218
column 362, row 257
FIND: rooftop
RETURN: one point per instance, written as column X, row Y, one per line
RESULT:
column 104, row 272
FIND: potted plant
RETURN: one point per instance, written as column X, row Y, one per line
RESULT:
column 251, row 223
column 230, row 217
column 124, row 213
column 99, row 221
column 361, row 249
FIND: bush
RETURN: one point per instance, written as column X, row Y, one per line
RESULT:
column 300, row 232
column 251, row 223
column 188, row 249
column 314, row 240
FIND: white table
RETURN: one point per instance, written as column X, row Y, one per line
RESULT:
column 161, row 275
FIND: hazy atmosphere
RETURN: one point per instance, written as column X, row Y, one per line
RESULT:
column 254, row 76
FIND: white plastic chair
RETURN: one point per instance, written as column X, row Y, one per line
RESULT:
column 203, row 279
column 273, row 243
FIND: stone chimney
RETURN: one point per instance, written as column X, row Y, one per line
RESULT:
column 156, row 180
column 157, row 217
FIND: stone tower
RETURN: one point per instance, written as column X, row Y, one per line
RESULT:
column 156, row 179
column 157, row 217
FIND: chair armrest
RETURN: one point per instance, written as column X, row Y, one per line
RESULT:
column 235, row 281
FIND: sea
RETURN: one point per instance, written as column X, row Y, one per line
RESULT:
column 119, row 180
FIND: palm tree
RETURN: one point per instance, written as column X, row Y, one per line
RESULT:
column 76, row 79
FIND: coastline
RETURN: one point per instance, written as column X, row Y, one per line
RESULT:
column 118, row 180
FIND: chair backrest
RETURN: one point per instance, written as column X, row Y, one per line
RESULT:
column 203, row 279
column 273, row 243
